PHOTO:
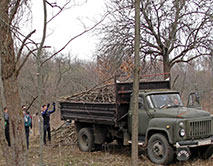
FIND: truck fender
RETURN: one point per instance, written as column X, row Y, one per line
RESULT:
column 80, row 125
column 154, row 130
column 161, row 125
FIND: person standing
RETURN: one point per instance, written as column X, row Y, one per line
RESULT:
column 24, row 108
column 27, row 124
column 6, row 123
column 46, row 120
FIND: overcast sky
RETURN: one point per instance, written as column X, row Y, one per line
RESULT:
column 67, row 25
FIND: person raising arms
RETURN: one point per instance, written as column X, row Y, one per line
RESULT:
column 46, row 120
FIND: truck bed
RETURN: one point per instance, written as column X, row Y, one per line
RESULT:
column 103, row 113
column 109, row 112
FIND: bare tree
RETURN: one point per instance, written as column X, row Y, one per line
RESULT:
column 136, row 86
column 11, row 65
column 171, row 31
column 10, row 68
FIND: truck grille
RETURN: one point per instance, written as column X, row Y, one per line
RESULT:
column 200, row 128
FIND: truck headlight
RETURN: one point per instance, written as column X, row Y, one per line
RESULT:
column 182, row 132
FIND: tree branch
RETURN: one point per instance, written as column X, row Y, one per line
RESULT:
column 80, row 34
column 44, row 28
column 60, row 9
column 22, row 46
column 14, row 11
column 24, row 61
column 151, row 28
column 31, row 103
column 190, row 59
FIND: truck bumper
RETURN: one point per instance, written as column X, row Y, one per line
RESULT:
column 194, row 143
column 183, row 147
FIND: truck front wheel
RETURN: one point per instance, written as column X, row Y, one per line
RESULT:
column 86, row 139
column 159, row 150
column 120, row 141
column 205, row 151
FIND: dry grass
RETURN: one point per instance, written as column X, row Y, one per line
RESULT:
column 109, row 155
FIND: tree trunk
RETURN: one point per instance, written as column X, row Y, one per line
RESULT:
column 40, row 81
column 4, row 147
column 11, row 93
column 17, row 135
column 166, row 67
column 136, row 86
column 40, row 99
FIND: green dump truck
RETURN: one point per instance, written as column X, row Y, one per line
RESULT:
column 166, row 128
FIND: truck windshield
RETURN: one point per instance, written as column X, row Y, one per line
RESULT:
column 164, row 100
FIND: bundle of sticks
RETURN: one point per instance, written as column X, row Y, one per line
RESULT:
column 101, row 94
column 64, row 135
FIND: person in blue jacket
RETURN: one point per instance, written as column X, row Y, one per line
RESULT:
column 46, row 120
column 27, row 124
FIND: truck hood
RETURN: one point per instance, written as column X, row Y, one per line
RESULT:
column 180, row 112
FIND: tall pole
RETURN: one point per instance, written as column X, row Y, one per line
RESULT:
column 40, row 120
column 136, row 86
column 40, row 84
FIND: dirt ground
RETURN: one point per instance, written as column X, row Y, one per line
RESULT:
column 109, row 155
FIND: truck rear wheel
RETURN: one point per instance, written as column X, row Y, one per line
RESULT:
column 159, row 150
column 86, row 139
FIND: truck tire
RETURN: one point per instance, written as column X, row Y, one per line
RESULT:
column 159, row 150
column 86, row 140
column 120, row 141
column 109, row 140
column 206, row 152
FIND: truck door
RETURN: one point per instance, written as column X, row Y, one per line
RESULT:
column 143, row 118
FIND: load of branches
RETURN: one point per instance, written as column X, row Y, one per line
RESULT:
column 101, row 94
column 64, row 135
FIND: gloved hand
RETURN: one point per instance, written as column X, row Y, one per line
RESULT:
column 48, row 105
column 54, row 104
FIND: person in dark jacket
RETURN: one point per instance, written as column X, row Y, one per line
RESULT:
column 46, row 120
column 7, row 128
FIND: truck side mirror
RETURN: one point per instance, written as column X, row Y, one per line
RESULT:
column 140, row 102
column 193, row 100
column 197, row 98
column 140, row 105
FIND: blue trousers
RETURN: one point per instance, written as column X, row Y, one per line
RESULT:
column 27, row 132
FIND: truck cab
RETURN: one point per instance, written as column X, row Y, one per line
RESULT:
column 167, row 127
